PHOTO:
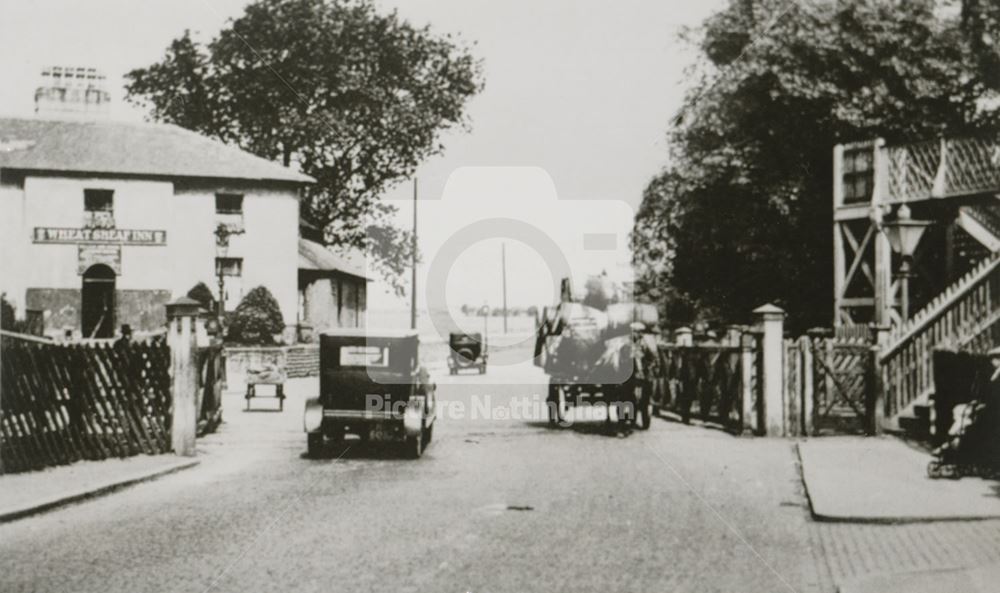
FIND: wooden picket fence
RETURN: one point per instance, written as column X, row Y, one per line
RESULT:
column 61, row 403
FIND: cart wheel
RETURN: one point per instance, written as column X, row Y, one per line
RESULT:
column 414, row 445
column 644, row 416
column 552, row 403
column 556, row 405
column 314, row 444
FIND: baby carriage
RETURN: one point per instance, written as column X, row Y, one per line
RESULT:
column 969, row 422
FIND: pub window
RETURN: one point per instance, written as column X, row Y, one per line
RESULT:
column 98, row 200
column 228, row 204
column 228, row 266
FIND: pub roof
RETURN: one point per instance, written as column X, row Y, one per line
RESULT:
column 126, row 148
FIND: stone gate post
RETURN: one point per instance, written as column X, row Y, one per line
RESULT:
column 182, row 337
column 771, row 320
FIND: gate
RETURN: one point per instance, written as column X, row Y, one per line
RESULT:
column 704, row 382
column 842, row 386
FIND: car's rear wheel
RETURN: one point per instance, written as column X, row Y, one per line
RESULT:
column 314, row 444
column 414, row 445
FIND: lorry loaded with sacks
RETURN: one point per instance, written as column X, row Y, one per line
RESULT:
column 598, row 347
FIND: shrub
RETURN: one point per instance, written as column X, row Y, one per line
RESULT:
column 203, row 294
column 256, row 319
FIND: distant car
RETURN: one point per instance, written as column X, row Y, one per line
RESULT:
column 466, row 351
column 371, row 385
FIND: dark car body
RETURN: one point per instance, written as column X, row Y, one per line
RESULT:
column 372, row 385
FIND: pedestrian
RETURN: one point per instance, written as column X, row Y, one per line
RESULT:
column 124, row 341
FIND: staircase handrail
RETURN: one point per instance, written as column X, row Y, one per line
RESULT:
column 988, row 222
column 938, row 306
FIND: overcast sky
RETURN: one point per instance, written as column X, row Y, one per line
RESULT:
column 576, row 106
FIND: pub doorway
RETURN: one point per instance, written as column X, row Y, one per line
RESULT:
column 97, row 307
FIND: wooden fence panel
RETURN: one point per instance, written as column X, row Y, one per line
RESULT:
column 62, row 403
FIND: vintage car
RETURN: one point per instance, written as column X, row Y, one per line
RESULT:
column 371, row 385
column 466, row 351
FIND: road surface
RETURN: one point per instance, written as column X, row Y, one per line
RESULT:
column 496, row 504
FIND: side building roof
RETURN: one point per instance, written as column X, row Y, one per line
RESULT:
column 125, row 148
column 315, row 257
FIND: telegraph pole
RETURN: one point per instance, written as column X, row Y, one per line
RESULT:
column 413, row 278
column 503, row 277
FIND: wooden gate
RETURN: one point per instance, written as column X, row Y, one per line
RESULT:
column 840, row 378
column 704, row 382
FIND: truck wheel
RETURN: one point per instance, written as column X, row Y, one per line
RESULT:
column 415, row 445
column 314, row 444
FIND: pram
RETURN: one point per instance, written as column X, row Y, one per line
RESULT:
column 969, row 421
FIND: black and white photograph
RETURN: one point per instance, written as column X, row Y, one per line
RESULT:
column 482, row 296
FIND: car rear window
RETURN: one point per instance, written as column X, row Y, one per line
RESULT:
column 364, row 356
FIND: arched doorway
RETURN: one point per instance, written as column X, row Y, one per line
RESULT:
column 97, row 307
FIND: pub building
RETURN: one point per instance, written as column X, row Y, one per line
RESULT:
column 104, row 222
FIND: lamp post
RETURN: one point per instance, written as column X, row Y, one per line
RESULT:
column 904, row 235
column 222, row 234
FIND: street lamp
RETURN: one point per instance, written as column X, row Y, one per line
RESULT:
column 904, row 234
column 222, row 234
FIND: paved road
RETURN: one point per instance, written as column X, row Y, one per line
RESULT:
column 496, row 504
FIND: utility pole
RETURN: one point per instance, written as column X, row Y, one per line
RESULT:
column 413, row 278
column 503, row 277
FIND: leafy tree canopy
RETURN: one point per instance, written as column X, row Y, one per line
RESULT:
column 357, row 98
column 742, row 214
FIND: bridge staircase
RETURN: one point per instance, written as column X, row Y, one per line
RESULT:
column 966, row 315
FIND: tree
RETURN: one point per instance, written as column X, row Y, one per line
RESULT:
column 257, row 319
column 981, row 24
column 8, row 317
column 742, row 214
column 203, row 294
column 356, row 98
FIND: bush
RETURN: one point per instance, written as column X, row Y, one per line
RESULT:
column 257, row 319
column 203, row 294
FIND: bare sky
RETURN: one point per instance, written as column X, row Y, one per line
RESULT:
column 577, row 102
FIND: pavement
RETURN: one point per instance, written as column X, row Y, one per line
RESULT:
column 29, row 493
column 499, row 502
column 868, row 479
column 976, row 580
